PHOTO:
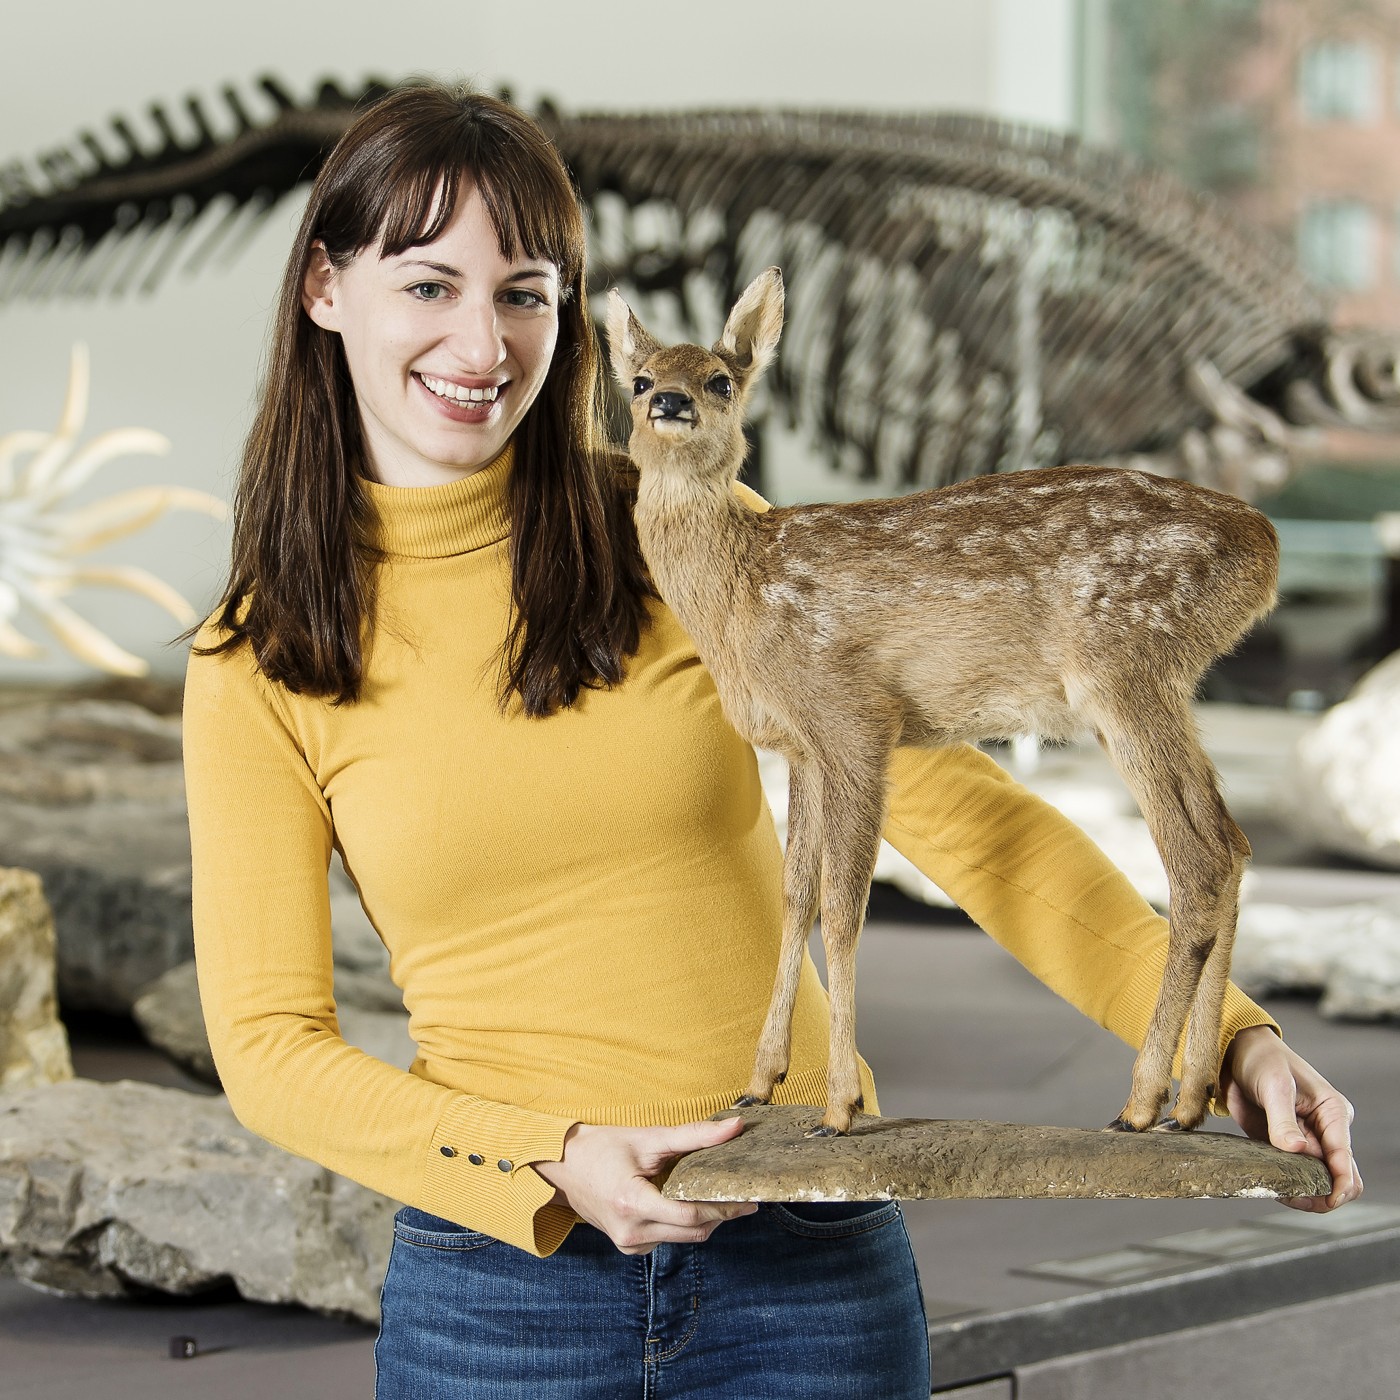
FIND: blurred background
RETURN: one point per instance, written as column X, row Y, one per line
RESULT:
column 1284, row 117
column 1287, row 111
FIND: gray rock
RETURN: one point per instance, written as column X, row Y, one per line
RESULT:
column 117, row 876
column 33, row 1041
column 1346, row 772
column 885, row 1159
column 368, row 1006
column 62, row 752
column 1351, row 954
column 94, row 803
column 108, row 1190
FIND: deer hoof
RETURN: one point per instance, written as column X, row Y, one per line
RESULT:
column 824, row 1130
column 1121, row 1125
column 1169, row 1125
column 748, row 1101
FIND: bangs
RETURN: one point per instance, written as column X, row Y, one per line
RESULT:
column 531, row 204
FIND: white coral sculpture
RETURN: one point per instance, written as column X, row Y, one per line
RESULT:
column 38, row 542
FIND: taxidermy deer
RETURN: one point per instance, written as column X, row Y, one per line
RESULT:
column 1049, row 601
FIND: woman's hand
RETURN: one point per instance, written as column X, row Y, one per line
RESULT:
column 1277, row 1096
column 605, row 1177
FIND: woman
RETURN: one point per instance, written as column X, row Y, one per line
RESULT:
column 438, row 653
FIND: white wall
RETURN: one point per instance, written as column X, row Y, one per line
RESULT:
column 185, row 360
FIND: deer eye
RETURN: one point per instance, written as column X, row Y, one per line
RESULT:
column 640, row 385
column 721, row 385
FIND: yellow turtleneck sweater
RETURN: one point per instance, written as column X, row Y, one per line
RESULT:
column 582, row 912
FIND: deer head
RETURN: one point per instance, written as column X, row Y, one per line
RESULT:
column 688, row 402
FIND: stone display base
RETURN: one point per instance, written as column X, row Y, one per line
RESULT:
column 920, row 1158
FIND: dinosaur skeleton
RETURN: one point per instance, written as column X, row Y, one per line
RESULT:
column 966, row 295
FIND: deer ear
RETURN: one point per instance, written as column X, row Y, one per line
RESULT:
column 751, row 333
column 628, row 342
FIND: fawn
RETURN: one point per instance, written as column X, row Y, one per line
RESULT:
column 1048, row 601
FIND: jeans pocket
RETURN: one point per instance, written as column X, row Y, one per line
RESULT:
column 833, row 1219
column 414, row 1226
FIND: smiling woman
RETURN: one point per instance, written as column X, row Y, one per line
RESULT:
column 439, row 653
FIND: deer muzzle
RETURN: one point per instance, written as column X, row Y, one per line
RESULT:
column 673, row 406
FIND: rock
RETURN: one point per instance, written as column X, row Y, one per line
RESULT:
column 93, row 800
column 74, row 751
column 917, row 1159
column 368, row 1006
column 1351, row 954
column 168, row 1012
column 117, row 876
column 33, row 1041
column 1346, row 772
column 108, row 1190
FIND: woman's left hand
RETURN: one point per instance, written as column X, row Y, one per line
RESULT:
column 1277, row 1096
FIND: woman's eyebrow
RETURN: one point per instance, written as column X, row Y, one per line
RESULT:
column 447, row 270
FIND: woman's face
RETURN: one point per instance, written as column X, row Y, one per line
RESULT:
column 448, row 343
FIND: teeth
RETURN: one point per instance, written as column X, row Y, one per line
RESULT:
column 458, row 393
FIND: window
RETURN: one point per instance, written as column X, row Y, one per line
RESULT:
column 1339, row 80
column 1337, row 242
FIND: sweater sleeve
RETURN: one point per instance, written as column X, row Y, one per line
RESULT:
column 1039, row 886
column 261, row 839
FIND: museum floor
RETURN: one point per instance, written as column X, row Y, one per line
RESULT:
column 955, row 1029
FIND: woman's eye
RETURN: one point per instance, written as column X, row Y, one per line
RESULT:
column 520, row 296
column 720, row 385
column 640, row 385
column 428, row 291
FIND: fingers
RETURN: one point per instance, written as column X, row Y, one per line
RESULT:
column 655, row 1146
column 1278, row 1097
column 676, row 1222
column 647, row 1220
column 1327, row 1115
column 1332, row 1122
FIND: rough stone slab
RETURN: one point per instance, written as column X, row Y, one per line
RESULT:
column 114, row 1189
column 918, row 1159
column 33, row 1041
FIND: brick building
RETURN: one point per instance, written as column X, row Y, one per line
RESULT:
column 1288, row 110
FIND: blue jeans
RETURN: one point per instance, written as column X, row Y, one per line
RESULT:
column 812, row 1300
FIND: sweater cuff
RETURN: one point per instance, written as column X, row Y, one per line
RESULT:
column 477, row 1173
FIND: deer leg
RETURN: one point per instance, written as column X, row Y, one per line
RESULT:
column 1200, row 1063
column 801, row 882
column 1154, row 745
column 853, row 812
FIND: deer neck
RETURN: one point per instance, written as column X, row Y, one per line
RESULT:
column 698, row 540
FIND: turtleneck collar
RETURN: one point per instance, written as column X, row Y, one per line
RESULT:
column 434, row 522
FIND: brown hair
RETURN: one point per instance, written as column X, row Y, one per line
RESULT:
column 301, row 555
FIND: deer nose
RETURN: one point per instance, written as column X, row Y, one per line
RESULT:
column 671, row 405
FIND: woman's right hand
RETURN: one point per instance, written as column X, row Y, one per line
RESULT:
column 605, row 1176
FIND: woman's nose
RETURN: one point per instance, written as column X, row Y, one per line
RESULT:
column 477, row 342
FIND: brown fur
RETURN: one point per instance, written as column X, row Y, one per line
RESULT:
column 1052, row 601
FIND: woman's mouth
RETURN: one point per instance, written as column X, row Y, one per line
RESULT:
column 459, row 401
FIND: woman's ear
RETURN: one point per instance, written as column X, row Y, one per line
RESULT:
column 318, row 288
